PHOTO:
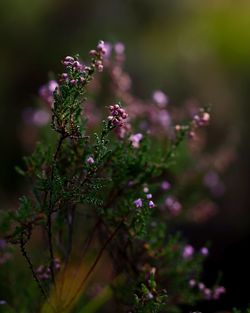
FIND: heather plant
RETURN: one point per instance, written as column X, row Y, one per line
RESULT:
column 109, row 182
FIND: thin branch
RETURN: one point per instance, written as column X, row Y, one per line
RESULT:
column 31, row 267
column 49, row 215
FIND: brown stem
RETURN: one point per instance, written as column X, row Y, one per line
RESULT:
column 49, row 215
column 24, row 253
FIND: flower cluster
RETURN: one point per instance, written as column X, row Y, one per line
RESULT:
column 201, row 119
column 76, row 73
column 139, row 203
column 117, row 115
column 44, row 272
column 118, row 119
column 173, row 205
column 97, row 55
column 188, row 252
column 207, row 293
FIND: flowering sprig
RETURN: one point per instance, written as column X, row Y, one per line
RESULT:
column 109, row 191
column 69, row 95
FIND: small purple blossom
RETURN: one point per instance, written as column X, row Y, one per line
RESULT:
column 204, row 251
column 192, row 283
column 119, row 48
column 145, row 189
column 90, row 160
column 173, row 205
column 201, row 119
column 44, row 272
column 212, row 181
column 207, row 293
column 135, row 140
column 164, row 118
column 138, row 203
column 108, row 50
column 165, row 185
column 149, row 196
column 201, row 286
column 160, row 98
column 151, row 204
column 37, row 117
column 188, row 252
column 101, row 47
column 41, row 117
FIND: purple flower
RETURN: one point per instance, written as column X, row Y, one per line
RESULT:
column 101, row 47
column 201, row 119
column 145, row 189
column 41, row 117
column 218, row 291
column 204, row 251
column 36, row 117
column 214, row 184
column 135, row 140
column 164, row 118
column 173, row 205
column 192, row 283
column 165, row 185
column 90, row 160
column 108, row 50
column 138, row 203
column 207, row 293
column 151, row 204
column 201, row 286
column 119, row 48
column 188, row 252
column 160, row 98
column 149, row 196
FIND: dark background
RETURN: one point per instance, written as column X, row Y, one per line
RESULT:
column 189, row 49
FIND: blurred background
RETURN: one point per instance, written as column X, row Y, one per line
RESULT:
column 189, row 49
